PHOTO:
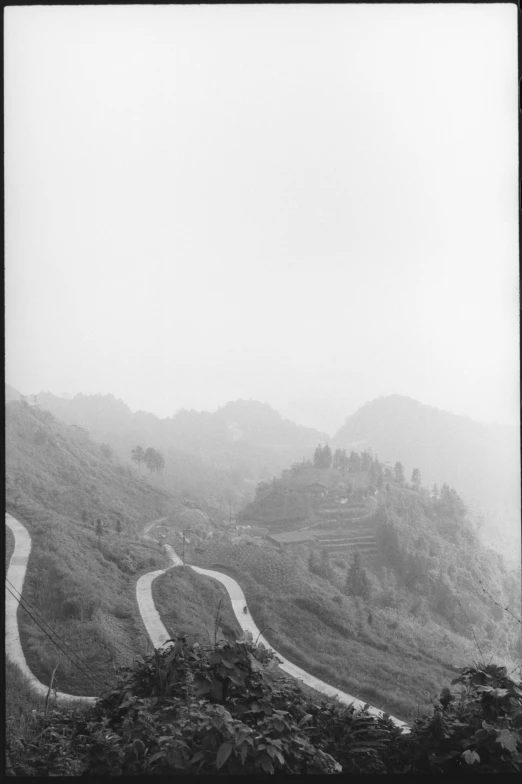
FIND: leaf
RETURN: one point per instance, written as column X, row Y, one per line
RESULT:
column 471, row 756
column 508, row 740
column 223, row 754
column 266, row 764
column 217, row 690
column 203, row 686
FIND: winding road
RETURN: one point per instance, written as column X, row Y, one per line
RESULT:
column 151, row 619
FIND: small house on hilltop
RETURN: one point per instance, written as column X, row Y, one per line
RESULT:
column 290, row 538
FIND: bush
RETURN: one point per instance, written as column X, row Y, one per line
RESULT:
column 475, row 728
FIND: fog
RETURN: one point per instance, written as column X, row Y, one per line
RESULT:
column 307, row 205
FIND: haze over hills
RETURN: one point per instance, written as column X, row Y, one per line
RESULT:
column 227, row 451
column 481, row 460
column 241, row 443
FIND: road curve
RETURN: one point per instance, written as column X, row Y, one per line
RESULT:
column 151, row 619
column 150, row 616
column 13, row 646
column 246, row 622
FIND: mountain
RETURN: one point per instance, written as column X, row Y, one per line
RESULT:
column 481, row 461
column 223, row 453
column 318, row 413
column 11, row 394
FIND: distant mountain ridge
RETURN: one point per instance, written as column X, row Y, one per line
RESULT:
column 247, row 439
column 482, row 461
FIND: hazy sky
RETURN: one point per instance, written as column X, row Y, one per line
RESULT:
column 289, row 203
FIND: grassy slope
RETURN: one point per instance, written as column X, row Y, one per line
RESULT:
column 391, row 662
column 84, row 587
column 188, row 603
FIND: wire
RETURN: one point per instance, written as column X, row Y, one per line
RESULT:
column 90, row 677
column 38, row 615
column 80, row 669
column 100, row 679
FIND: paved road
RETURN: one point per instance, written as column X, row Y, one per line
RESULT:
column 151, row 619
column 150, row 616
column 246, row 622
column 16, row 577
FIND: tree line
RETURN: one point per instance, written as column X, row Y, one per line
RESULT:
column 365, row 461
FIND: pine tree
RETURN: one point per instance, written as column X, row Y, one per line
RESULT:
column 355, row 462
column 318, row 457
column 399, row 473
column 327, row 457
column 138, row 456
column 314, row 564
column 357, row 583
column 416, row 478
column 326, row 569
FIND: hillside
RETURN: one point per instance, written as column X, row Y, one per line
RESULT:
column 422, row 599
column 482, row 461
column 215, row 457
column 81, row 581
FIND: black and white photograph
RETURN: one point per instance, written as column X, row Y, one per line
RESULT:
column 262, row 389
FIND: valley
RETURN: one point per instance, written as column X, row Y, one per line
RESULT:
column 374, row 586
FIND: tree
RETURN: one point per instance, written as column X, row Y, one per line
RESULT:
column 354, row 462
column 366, row 460
column 323, row 457
column 399, row 473
column 340, row 461
column 118, row 525
column 106, row 451
column 416, row 478
column 377, row 474
column 326, row 568
column 99, row 529
column 435, row 492
column 154, row 460
column 357, row 583
column 327, row 457
column 313, row 562
column 138, row 456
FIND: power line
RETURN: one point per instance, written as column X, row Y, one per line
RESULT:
column 38, row 615
column 90, row 677
column 80, row 669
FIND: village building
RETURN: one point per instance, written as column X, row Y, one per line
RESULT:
column 287, row 538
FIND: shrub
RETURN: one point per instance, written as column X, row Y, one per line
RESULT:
column 475, row 728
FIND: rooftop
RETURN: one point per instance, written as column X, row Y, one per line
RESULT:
column 291, row 537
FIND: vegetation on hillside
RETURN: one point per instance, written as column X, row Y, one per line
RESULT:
column 84, row 512
column 214, row 457
column 429, row 599
column 221, row 709
column 482, row 461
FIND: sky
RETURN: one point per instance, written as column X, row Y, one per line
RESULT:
column 308, row 205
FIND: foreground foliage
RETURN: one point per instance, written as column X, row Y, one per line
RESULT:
column 226, row 709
